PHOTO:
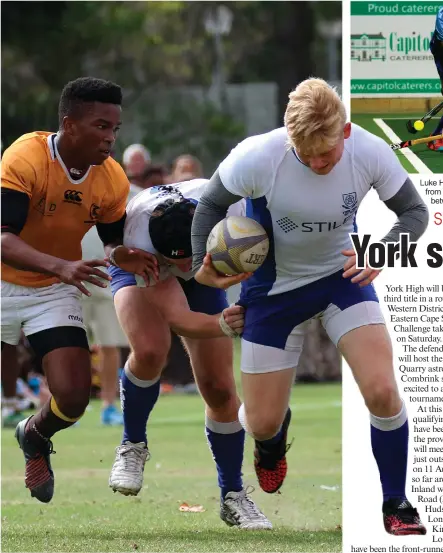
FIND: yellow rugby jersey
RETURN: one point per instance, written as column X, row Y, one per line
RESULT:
column 61, row 208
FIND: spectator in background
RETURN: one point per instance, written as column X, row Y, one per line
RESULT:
column 136, row 161
column 154, row 175
column 186, row 167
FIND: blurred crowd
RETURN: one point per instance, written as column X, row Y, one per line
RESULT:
column 23, row 383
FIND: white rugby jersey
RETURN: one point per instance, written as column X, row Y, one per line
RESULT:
column 140, row 209
column 308, row 217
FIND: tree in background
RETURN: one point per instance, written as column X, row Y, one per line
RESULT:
column 145, row 44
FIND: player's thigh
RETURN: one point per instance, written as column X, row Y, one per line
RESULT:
column 268, row 374
column 211, row 359
column 368, row 351
column 142, row 321
column 212, row 365
column 106, row 327
column 267, row 379
column 361, row 335
column 66, row 361
column 275, row 327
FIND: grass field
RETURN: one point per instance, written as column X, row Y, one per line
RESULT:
column 86, row 516
column 432, row 160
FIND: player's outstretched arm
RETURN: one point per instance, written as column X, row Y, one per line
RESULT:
column 132, row 260
column 199, row 325
column 20, row 255
column 169, row 299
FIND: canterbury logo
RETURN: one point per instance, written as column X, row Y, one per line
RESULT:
column 73, row 196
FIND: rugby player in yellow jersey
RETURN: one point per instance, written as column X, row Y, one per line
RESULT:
column 55, row 187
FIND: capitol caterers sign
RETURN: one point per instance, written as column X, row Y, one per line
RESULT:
column 390, row 54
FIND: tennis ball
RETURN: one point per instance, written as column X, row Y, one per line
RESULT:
column 419, row 125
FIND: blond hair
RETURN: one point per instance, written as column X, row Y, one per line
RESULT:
column 315, row 117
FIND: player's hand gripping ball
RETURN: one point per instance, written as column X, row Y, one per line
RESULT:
column 237, row 245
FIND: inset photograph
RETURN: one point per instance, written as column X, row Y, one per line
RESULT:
column 116, row 117
column 397, row 78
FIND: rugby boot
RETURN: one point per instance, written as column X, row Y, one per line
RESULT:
column 39, row 478
column 238, row 509
column 270, row 460
column 401, row 519
column 127, row 472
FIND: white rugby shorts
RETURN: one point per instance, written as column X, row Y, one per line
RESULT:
column 31, row 310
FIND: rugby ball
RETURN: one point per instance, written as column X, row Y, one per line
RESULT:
column 237, row 245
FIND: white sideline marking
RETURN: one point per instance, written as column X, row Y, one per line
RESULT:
column 200, row 417
column 409, row 154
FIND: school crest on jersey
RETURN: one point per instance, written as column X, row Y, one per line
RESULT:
column 350, row 205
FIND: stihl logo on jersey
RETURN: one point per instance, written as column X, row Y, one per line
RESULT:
column 178, row 252
column 73, row 196
column 287, row 225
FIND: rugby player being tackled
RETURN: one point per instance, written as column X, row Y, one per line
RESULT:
column 304, row 183
column 159, row 221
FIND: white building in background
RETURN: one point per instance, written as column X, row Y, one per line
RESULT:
column 368, row 47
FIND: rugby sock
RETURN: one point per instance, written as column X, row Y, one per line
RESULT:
column 274, row 440
column 389, row 439
column 138, row 398
column 46, row 422
column 226, row 441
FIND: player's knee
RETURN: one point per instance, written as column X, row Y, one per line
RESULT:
column 383, row 399
column 261, row 426
column 72, row 404
column 217, row 394
column 148, row 362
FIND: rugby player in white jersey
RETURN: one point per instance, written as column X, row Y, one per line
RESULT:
column 159, row 221
column 304, row 183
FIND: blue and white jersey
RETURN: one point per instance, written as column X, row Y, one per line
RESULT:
column 140, row 209
column 308, row 217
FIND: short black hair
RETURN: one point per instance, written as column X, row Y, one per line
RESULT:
column 87, row 89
